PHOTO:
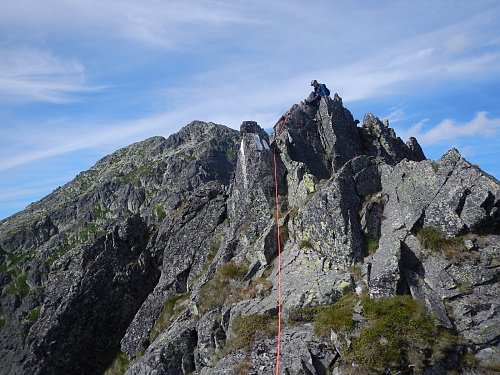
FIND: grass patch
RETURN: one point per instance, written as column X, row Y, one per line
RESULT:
column 213, row 251
column 306, row 244
column 160, row 212
column 370, row 245
column 134, row 176
column 100, row 213
column 119, row 366
column 336, row 317
column 233, row 271
column 433, row 239
column 246, row 329
column 226, row 286
column 88, row 233
column 399, row 335
column 170, row 310
column 20, row 286
column 33, row 315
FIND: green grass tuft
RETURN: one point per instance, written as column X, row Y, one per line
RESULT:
column 171, row 309
column 336, row 317
column 20, row 286
column 119, row 366
column 33, row 315
column 306, row 244
column 433, row 239
column 226, row 286
column 370, row 244
column 399, row 335
column 246, row 329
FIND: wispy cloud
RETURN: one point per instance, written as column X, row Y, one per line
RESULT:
column 449, row 130
column 57, row 141
column 151, row 22
column 34, row 75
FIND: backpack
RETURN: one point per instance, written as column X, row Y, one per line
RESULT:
column 327, row 92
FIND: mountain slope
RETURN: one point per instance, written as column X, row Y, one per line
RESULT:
column 163, row 257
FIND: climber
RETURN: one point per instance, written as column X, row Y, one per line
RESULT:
column 320, row 90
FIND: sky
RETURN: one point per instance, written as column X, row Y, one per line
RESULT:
column 81, row 78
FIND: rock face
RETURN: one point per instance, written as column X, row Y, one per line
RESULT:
column 165, row 253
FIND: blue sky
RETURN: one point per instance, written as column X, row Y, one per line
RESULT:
column 82, row 78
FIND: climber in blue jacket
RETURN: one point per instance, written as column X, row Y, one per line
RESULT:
column 320, row 90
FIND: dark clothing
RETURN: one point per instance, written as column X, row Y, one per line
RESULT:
column 315, row 96
column 322, row 90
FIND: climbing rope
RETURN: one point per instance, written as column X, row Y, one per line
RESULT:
column 282, row 126
column 279, row 261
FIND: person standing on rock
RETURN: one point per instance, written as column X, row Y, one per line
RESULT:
column 320, row 90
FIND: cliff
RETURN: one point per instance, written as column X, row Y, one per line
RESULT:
column 162, row 258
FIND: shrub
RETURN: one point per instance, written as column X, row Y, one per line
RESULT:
column 160, row 212
column 20, row 286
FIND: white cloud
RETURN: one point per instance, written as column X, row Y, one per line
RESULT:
column 34, row 75
column 56, row 141
column 449, row 130
column 151, row 22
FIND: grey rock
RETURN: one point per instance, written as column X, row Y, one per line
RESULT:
column 422, row 292
column 380, row 141
column 301, row 353
column 385, row 273
column 170, row 354
column 104, row 255
column 104, row 285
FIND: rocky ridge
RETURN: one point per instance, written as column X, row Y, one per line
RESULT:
column 160, row 258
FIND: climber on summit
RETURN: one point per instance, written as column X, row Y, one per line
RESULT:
column 320, row 90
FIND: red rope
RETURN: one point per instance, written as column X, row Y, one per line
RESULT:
column 282, row 127
column 279, row 262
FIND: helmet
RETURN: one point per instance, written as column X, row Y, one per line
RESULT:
column 313, row 82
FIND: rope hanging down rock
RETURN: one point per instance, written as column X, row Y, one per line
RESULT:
column 279, row 261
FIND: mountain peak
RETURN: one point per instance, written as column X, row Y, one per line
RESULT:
column 166, row 253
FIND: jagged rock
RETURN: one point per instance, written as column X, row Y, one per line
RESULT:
column 379, row 140
column 385, row 273
column 211, row 337
column 422, row 292
column 170, row 354
column 469, row 199
column 251, row 206
column 315, row 142
column 430, row 193
column 339, row 237
column 475, row 310
column 311, row 280
column 121, row 254
column 104, row 286
column 301, row 353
